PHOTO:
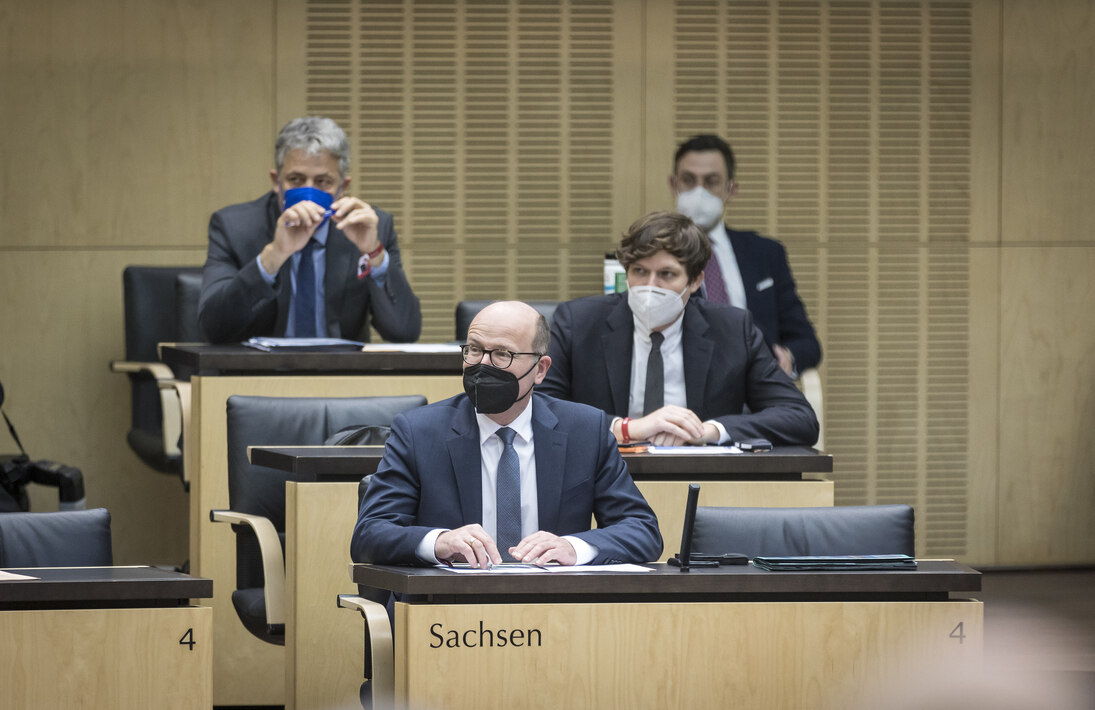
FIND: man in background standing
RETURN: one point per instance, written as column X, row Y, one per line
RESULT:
column 746, row 270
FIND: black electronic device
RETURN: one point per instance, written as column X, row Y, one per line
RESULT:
column 755, row 445
column 684, row 558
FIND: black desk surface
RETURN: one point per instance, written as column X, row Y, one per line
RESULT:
column 76, row 587
column 237, row 359
column 344, row 463
column 933, row 580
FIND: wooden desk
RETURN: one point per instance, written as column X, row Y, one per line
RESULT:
column 105, row 637
column 320, row 648
column 731, row 637
column 250, row 671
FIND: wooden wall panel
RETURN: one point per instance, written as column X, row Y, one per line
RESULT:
column 1047, row 486
column 851, row 127
column 1048, row 168
column 486, row 127
column 126, row 124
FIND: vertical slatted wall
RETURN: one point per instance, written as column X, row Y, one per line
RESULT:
column 486, row 127
column 851, row 124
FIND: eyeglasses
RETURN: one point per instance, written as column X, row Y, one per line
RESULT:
column 473, row 355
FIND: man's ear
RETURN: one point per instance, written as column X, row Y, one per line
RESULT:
column 673, row 184
column 542, row 368
column 695, row 285
column 274, row 179
column 345, row 189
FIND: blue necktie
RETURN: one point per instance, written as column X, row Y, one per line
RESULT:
column 304, row 303
column 508, row 495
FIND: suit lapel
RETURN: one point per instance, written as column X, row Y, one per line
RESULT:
column 698, row 349
column 466, row 460
column 616, row 344
column 550, row 452
column 747, row 265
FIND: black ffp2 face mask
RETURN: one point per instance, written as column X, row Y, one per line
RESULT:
column 493, row 390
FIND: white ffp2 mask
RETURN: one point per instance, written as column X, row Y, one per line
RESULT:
column 655, row 307
column 701, row 207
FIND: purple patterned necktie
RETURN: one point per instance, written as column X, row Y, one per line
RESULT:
column 712, row 279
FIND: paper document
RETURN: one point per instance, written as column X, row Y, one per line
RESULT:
column 599, row 568
column 411, row 348
column 516, row 568
column 11, row 576
column 704, row 450
column 505, row 568
column 271, row 344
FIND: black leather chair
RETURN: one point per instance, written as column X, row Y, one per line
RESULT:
column 256, row 494
column 161, row 305
column 467, row 310
column 69, row 538
column 841, row 530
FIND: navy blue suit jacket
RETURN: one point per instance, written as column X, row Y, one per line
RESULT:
column 727, row 367
column 236, row 303
column 771, row 297
column 431, row 477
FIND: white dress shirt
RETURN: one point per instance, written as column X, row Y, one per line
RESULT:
column 490, row 448
column 673, row 363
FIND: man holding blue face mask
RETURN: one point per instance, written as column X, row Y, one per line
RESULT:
column 306, row 259
column 672, row 368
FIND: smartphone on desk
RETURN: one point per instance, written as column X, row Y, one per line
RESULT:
column 754, row 445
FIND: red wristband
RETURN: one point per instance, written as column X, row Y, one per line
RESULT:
column 623, row 430
column 364, row 264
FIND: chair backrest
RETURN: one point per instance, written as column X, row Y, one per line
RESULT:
column 467, row 310
column 841, row 530
column 188, row 287
column 155, row 314
column 70, row 538
column 288, row 421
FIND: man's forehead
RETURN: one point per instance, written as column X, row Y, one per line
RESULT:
column 702, row 162
column 660, row 260
column 301, row 160
column 502, row 327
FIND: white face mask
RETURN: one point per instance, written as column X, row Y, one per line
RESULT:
column 654, row 307
column 701, row 206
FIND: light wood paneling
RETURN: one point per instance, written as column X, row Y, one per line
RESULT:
column 125, row 659
column 850, row 123
column 752, row 655
column 1047, row 490
column 128, row 123
column 251, row 671
column 1048, row 165
column 323, row 644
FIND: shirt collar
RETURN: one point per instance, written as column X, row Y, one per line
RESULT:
column 522, row 424
column 718, row 235
column 673, row 329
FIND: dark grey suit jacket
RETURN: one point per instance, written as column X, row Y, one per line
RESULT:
column 431, row 477
column 236, row 303
column 727, row 367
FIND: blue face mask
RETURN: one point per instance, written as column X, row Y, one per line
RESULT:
column 310, row 194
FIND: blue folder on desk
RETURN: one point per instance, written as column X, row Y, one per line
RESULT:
column 806, row 563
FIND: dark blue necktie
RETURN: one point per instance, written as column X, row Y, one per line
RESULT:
column 508, row 495
column 304, row 303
